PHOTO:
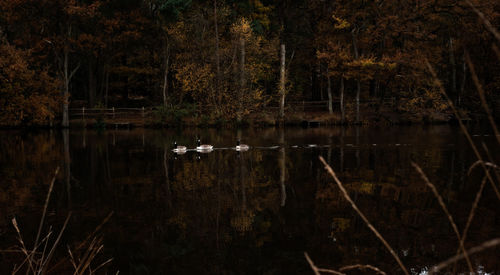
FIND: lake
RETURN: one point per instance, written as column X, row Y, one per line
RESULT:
column 254, row 212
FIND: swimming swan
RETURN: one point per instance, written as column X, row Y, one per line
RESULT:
column 241, row 147
column 204, row 147
column 179, row 149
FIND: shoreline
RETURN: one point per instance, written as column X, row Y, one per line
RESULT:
column 308, row 120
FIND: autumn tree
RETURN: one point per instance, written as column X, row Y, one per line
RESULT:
column 27, row 96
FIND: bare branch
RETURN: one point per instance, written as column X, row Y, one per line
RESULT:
column 486, row 22
column 476, row 249
column 73, row 72
column 362, row 267
column 317, row 271
column 480, row 90
column 473, row 210
column 51, row 252
column 355, row 207
column 481, row 162
column 462, row 126
column 445, row 209
column 47, row 199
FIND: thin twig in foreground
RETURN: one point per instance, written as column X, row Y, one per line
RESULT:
column 362, row 267
column 317, row 271
column 355, row 207
column 476, row 249
column 47, row 199
column 90, row 236
column 496, row 50
column 462, row 126
column 473, row 210
column 445, row 209
column 480, row 162
column 51, row 252
column 496, row 169
column 486, row 22
column 23, row 246
column 44, row 240
column 480, row 90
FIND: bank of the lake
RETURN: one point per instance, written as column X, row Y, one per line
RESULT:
column 154, row 117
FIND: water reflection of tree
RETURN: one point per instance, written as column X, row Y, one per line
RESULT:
column 176, row 211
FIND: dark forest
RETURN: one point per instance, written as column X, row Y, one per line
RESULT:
column 251, row 60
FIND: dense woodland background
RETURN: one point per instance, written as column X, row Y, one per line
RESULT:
column 223, row 58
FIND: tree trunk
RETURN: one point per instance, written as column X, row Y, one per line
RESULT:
column 358, row 91
column 67, row 76
column 217, row 58
column 242, row 79
column 167, row 176
column 106, row 88
column 342, row 109
column 65, row 121
column 282, row 164
column 358, row 160
column 282, row 83
column 462, row 85
column 92, row 85
column 453, row 70
column 165, row 77
column 358, row 84
column 67, row 164
column 342, row 135
column 329, row 91
column 318, row 82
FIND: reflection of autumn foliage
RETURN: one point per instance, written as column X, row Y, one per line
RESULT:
column 223, row 211
column 27, row 96
column 243, row 221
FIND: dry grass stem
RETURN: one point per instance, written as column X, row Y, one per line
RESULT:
column 33, row 252
column 47, row 199
column 495, row 169
column 454, row 259
column 96, row 229
column 103, row 264
column 480, row 162
column 496, row 50
column 445, row 209
column 23, row 246
column 480, row 90
column 462, row 126
column 84, row 242
column 38, row 262
column 363, row 267
column 473, row 209
column 317, row 271
column 71, row 258
column 52, row 250
column 35, row 246
column 46, row 244
column 485, row 20
column 363, row 217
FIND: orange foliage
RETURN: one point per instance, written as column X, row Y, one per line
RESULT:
column 26, row 97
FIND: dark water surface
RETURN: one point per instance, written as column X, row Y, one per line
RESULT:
column 254, row 212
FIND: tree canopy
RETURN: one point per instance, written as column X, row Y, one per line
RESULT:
column 215, row 54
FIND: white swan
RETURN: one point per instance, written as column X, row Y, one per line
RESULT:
column 204, row 147
column 179, row 149
column 241, row 147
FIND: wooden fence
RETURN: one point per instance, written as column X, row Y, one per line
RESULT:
column 109, row 113
column 297, row 106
